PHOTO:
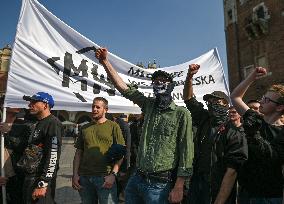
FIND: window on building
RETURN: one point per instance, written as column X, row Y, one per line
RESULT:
column 260, row 12
column 230, row 15
column 243, row 2
column 261, row 61
column 247, row 70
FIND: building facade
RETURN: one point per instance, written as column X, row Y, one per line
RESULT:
column 254, row 37
column 5, row 54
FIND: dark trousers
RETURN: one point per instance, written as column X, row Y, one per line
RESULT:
column 30, row 184
column 199, row 191
column 14, row 190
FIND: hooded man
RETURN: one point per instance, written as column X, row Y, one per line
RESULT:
column 220, row 148
column 165, row 151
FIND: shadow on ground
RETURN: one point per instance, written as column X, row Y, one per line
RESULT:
column 67, row 195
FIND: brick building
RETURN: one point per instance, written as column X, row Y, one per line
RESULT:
column 5, row 54
column 255, row 37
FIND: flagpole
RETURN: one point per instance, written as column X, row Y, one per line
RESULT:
column 2, row 158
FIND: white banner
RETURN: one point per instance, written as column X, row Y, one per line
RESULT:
column 50, row 56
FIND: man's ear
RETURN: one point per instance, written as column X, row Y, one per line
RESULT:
column 47, row 106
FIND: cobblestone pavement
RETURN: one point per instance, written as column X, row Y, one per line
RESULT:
column 64, row 191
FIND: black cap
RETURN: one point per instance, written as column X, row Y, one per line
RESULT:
column 253, row 101
column 216, row 94
column 161, row 73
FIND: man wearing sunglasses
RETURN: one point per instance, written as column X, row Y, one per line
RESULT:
column 261, row 179
column 165, row 151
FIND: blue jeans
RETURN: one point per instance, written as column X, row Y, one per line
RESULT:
column 140, row 190
column 92, row 191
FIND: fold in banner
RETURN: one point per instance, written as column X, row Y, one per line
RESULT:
column 50, row 56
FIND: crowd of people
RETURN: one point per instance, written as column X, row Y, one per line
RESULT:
column 223, row 154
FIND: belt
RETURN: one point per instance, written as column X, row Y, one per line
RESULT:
column 164, row 176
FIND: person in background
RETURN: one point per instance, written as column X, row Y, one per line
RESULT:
column 254, row 105
column 261, row 179
column 16, row 130
column 234, row 117
column 122, row 178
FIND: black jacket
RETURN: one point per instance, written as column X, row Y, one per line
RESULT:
column 17, row 140
column 48, row 132
column 261, row 175
column 227, row 150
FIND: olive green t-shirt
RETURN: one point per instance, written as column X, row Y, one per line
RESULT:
column 95, row 139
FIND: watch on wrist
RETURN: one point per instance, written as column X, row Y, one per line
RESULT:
column 114, row 173
column 42, row 184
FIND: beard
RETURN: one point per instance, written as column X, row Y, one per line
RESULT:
column 97, row 116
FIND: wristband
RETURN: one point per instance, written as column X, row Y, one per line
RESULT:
column 114, row 173
column 42, row 184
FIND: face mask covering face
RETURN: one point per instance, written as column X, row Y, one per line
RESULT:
column 219, row 113
column 163, row 92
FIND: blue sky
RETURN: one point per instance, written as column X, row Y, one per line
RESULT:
column 170, row 31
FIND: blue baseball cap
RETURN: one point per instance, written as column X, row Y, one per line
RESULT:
column 41, row 96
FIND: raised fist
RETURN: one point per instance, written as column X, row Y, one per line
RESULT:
column 101, row 54
column 260, row 72
column 193, row 69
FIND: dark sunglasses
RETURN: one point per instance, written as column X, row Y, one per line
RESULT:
column 267, row 100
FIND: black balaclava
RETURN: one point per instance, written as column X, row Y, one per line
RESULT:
column 218, row 113
column 163, row 94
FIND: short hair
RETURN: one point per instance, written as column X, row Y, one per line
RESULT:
column 101, row 99
column 163, row 74
column 278, row 89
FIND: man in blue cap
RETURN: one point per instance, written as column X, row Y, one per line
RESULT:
column 39, row 185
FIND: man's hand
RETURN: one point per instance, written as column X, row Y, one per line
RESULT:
column 75, row 182
column 5, row 127
column 3, row 180
column 39, row 192
column 259, row 72
column 101, row 54
column 193, row 69
column 109, row 181
column 176, row 195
